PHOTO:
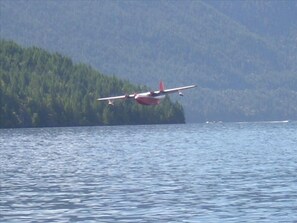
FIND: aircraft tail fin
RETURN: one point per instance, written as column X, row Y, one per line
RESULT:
column 161, row 88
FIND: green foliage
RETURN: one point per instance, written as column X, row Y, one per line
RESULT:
column 42, row 89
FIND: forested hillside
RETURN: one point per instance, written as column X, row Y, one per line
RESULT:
column 42, row 89
column 241, row 54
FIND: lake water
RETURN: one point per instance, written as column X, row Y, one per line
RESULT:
column 235, row 172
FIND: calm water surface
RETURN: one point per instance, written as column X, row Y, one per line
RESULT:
column 240, row 172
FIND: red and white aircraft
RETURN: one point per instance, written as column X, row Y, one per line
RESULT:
column 148, row 98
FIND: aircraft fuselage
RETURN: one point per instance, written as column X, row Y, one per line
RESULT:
column 147, row 99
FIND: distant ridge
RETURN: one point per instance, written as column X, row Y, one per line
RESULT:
column 242, row 54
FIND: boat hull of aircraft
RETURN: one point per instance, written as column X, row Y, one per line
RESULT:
column 149, row 100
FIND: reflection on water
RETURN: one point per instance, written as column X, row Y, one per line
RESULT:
column 160, row 173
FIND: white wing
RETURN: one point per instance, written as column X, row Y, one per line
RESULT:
column 111, row 98
column 172, row 90
column 116, row 97
column 178, row 89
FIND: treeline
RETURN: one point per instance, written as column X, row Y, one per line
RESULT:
column 40, row 89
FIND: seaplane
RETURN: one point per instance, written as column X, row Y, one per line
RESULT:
column 148, row 98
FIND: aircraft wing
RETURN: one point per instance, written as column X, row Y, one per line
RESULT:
column 178, row 89
column 111, row 98
column 116, row 97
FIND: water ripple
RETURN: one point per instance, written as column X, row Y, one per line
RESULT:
column 170, row 173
